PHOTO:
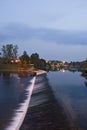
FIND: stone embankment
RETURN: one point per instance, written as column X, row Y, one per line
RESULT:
column 39, row 72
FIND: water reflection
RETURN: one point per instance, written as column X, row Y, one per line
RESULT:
column 62, row 70
column 23, row 74
column 84, row 74
column 6, row 74
column 85, row 84
column 70, row 90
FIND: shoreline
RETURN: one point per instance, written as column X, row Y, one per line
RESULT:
column 24, row 73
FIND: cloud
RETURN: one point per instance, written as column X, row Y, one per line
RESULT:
column 50, row 44
column 53, row 51
column 18, row 32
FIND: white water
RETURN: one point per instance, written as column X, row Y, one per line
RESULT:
column 21, row 112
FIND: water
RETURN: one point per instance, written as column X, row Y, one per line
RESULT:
column 70, row 89
column 15, row 95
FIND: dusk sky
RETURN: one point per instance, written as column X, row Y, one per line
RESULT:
column 55, row 29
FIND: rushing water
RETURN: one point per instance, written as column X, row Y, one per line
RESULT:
column 14, row 95
column 70, row 88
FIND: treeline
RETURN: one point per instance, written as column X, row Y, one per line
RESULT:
column 34, row 59
column 9, row 53
column 84, row 64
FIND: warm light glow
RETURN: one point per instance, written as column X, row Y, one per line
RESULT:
column 62, row 70
column 47, row 61
column 12, row 61
column 15, row 61
column 63, row 62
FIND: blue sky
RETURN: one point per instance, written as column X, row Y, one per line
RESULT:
column 56, row 29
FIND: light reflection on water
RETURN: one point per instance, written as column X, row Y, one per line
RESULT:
column 71, row 90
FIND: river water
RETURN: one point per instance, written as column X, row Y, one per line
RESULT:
column 15, row 94
column 70, row 88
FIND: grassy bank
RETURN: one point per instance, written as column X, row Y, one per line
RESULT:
column 9, row 67
column 21, row 71
column 14, row 68
column 17, row 68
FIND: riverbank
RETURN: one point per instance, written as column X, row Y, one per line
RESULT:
column 14, row 68
column 44, row 112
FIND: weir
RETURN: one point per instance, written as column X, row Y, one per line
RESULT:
column 20, row 113
column 44, row 112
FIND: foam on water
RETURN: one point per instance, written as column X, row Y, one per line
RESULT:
column 21, row 112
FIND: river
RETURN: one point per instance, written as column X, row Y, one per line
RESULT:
column 15, row 93
column 69, row 88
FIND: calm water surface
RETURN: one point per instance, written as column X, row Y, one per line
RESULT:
column 70, row 88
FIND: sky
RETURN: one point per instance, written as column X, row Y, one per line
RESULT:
column 55, row 29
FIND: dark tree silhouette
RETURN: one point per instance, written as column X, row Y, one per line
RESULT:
column 24, row 60
column 34, row 59
column 9, row 52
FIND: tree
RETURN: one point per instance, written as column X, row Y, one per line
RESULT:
column 34, row 59
column 24, row 60
column 84, row 64
column 42, row 64
column 15, row 51
column 9, row 52
column 34, row 56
